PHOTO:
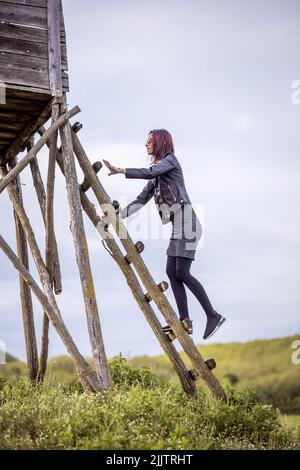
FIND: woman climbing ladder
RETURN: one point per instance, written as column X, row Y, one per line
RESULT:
column 173, row 203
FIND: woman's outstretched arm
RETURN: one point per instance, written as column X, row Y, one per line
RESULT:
column 165, row 165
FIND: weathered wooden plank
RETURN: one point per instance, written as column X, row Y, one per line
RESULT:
column 10, row 60
column 6, row 134
column 27, row 95
column 28, row 78
column 34, row 3
column 26, row 107
column 18, row 46
column 29, row 48
column 15, row 126
column 54, row 52
column 31, row 78
column 27, row 33
column 9, row 117
column 26, row 70
column 25, row 15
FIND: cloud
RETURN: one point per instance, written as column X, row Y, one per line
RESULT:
column 219, row 78
column 243, row 122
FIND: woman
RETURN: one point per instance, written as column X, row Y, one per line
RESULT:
column 173, row 203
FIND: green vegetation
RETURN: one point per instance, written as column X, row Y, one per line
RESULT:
column 143, row 412
column 148, row 409
column 264, row 366
column 292, row 422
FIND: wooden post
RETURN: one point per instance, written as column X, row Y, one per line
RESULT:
column 25, row 294
column 50, row 236
column 82, row 258
column 50, row 240
column 41, row 195
column 160, row 299
column 85, row 373
column 53, row 19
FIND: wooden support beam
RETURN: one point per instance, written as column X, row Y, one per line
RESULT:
column 137, row 292
column 50, row 235
column 36, row 148
column 54, row 48
column 50, row 239
column 160, row 299
column 27, row 133
column 82, row 257
column 85, row 373
column 41, row 195
column 44, row 276
column 25, row 294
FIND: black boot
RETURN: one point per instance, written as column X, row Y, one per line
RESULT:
column 213, row 324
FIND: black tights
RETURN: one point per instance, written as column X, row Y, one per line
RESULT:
column 178, row 271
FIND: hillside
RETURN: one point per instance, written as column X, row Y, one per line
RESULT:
column 263, row 365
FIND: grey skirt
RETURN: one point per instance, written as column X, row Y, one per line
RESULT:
column 186, row 233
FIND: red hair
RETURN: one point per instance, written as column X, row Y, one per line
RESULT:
column 162, row 143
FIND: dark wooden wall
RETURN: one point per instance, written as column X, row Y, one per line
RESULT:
column 24, row 44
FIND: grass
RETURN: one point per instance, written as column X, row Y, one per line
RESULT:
column 292, row 422
column 143, row 412
column 148, row 409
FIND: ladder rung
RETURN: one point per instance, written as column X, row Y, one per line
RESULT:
column 163, row 286
column 211, row 364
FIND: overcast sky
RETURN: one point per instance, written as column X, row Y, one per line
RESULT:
column 218, row 75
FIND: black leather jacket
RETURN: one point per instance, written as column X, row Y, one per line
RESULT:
column 167, row 174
